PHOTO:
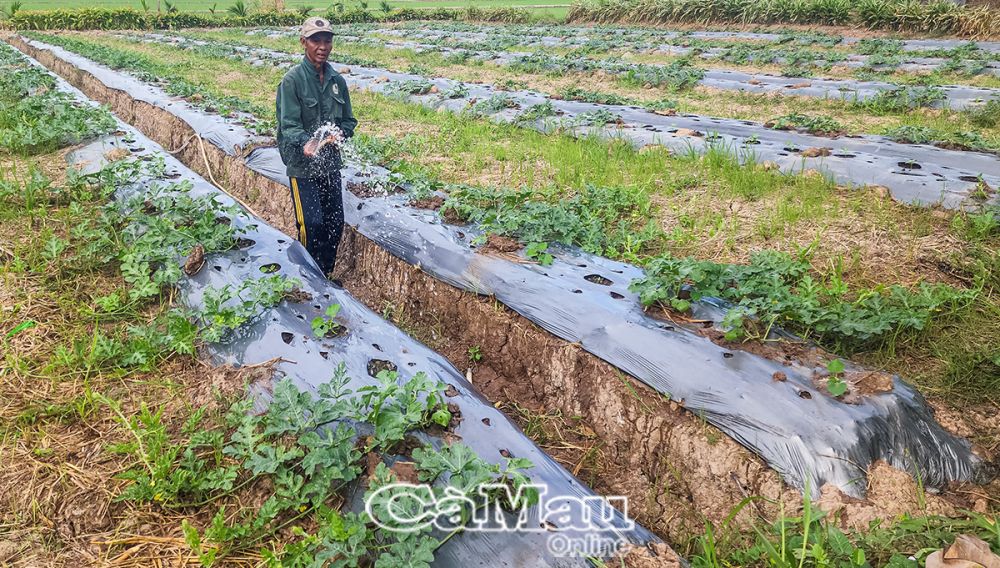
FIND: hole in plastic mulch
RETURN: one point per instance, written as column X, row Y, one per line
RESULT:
column 270, row 268
column 598, row 279
column 287, row 337
column 376, row 366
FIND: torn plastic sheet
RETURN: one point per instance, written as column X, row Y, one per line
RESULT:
column 956, row 97
column 285, row 332
column 807, row 436
column 914, row 173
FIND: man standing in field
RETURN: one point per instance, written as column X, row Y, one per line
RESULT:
column 312, row 95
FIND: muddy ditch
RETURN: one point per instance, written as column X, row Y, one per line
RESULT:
column 672, row 463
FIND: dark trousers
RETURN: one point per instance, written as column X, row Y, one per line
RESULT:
column 319, row 216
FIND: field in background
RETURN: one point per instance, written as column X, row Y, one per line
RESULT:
column 550, row 8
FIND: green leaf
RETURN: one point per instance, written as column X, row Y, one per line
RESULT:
column 836, row 386
column 409, row 553
column 23, row 326
column 441, row 417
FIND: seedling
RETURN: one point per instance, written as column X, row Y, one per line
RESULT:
column 326, row 326
column 835, row 384
column 475, row 354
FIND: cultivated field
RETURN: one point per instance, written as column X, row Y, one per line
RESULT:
column 699, row 267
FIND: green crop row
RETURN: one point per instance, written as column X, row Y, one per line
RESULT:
column 899, row 15
column 37, row 118
column 128, row 18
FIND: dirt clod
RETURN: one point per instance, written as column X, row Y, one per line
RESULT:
column 116, row 154
column 815, row 152
column 195, row 260
column 298, row 296
column 500, row 244
column 869, row 382
column 433, row 203
column 405, row 472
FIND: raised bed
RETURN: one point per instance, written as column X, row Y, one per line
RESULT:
column 808, row 436
column 283, row 335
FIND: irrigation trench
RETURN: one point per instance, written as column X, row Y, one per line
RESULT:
column 662, row 454
column 917, row 174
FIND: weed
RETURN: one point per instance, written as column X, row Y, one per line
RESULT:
column 901, row 99
column 986, row 115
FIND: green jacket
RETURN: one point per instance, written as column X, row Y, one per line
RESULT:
column 303, row 105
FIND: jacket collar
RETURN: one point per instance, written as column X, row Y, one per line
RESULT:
column 327, row 70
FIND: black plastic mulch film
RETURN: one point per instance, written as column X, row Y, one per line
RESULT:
column 917, row 174
column 956, row 97
column 310, row 362
column 809, row 437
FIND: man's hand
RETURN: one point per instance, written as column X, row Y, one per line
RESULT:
column 314, row 146
column 310, row 148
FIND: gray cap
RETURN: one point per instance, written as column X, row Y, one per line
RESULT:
column 313, row 26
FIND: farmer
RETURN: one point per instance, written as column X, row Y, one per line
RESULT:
column 312, row 95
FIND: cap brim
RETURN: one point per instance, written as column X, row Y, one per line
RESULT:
column 314, row 32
